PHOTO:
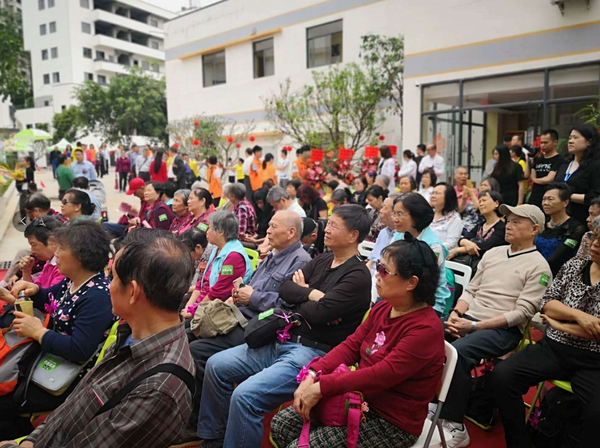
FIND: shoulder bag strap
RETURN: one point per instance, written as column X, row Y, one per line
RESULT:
column 174, row 369
column 354, row 416
column 238, row 315
column 304, row 440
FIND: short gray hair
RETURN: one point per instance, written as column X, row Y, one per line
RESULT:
column 237, row 190
column 185, row 195
column 276, row 194
column 226, row 222
column 596, row 224
column 196, row 185
column 384, row 178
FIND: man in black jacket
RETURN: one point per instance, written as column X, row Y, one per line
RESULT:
column 178, row 167
column 332, row 293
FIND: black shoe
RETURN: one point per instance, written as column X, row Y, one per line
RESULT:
column 212, row 443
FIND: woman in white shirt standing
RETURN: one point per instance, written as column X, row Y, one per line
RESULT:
column 409, row 165
column 428, row 180
column 387, row 166
column 446, row 224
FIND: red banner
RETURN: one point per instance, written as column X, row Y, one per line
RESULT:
column 345, row 154
column 317, row 155
column 371, row 152
column 393, row 149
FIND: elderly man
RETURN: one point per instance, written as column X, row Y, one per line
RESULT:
column 332, row 294
column 435, row 161
column 487, row 320
column 242, row 208
column 143, row 162
column 150, row 278
column 82, row 167
column 280, row 200
column 261, row 294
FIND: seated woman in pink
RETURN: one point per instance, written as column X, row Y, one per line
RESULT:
column 227, row 262
column 43, row 246
column 400, row 351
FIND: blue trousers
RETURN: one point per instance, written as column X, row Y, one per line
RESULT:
column 265, row 378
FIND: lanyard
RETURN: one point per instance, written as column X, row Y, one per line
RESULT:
column 569, row 173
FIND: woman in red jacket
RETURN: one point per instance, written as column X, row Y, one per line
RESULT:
column 400, row 351
column 157, row 215
column 158, row 169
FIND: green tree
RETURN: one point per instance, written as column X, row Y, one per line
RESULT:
column 133, row 104
column 339, row 109
column 590, row 114
column 67, row 125
column 12, row 57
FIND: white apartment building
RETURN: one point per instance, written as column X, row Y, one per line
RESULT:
column 474, row 70
column 72, row 41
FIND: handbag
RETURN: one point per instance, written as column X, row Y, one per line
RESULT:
column 270, row 325
column 55, row 374
column 215, row 317
column 339, row 410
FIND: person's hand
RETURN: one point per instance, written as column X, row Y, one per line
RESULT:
column 243, row 294
column 335, row 322
column 453, row 253
column 26, row 444
column 230, row 301
column 11, row 281
column 31, row 289
column 28, row 326
column 316, row 295
column 298, row 278
column 304, row 385
column 27, row 263
column 459, row 326
column 184, row 313
column 309, row 398
column 469, row 192
column 589, row 323
column 6, row 296
column 134, row 222
column 472, row 248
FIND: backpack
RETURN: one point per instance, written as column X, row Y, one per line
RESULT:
column 556, row 423
column 12, row 350
column 481, row 404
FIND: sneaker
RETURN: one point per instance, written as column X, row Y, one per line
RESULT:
column 456, row 435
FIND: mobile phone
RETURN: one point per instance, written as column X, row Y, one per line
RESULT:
column 238, row 283
column 469, row 183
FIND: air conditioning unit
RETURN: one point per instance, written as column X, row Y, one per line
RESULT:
column 561, row 4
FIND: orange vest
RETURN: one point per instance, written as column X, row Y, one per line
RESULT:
column 214, row 183
column 302, row 168
column 269, row 173
column 256, row 176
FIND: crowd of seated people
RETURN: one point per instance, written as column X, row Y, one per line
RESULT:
column 179, row 255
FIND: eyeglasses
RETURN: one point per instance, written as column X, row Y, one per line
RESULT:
column 65, row 202
column 383, row 271
column 399, row 214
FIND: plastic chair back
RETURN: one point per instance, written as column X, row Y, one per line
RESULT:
column 462, row 273
column 254, row 258
column 110, row 340
column 365, row 248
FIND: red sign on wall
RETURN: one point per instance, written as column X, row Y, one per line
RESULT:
column 345, row 154
column 371, row 152
column 317, row 155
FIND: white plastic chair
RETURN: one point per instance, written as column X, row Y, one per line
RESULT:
column 365, row 248
column 462, row 273
column 428, row 438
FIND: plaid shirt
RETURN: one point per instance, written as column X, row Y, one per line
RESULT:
column 181, row 223
column 246, row 216
column 152, row 415
column 57, row 215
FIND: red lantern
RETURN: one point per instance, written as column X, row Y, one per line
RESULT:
column 230, row 139
column 195, row 142
column 238, row 145
column 382, row 137
column 252, row 138
column 176, row 145
column 196, row 122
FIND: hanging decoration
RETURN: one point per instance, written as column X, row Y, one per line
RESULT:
column 252, row 138
column 230, row 139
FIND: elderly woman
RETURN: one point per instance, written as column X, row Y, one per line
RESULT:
column 183, row 217
column 200, row 204
column 586, row 241
column 227, row 262
column 158, row 214
column 412, row 214
column 76, row 205
column 79, row 305
column 464, row 194
column 446, row 224
column 401, row 345
column 360, row 191
column 428, row 181
column 407, row 184
column 242, row 209
column 375, row 197
column 39, row 234
column 312, row 203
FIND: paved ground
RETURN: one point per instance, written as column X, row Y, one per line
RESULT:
column 13, row 240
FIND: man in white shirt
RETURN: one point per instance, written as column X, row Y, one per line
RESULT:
column 143, row 163
column 435, row 161
column 283, row 169
column 280, row 200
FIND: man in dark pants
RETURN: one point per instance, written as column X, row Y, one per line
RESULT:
column 178, row 168
column 246, row 171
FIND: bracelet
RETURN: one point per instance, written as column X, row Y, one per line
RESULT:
column 315, row 375
column 473, row 326
column 461, row 315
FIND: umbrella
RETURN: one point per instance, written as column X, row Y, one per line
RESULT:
column 32, row 135
column 61, row 145
column 14, row 145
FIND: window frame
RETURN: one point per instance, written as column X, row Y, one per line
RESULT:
column 41, row 5
column 204, row 56
column 83, row 24
column 272, row 39
column 51, row 4
column 56, row 78
column 91, row 52
column 52, row 26
column 100, row 78
column 54, row 53
column 87, row 76
column 308, row 39
column 46, row 79
column 44, row 53
column 43, row 29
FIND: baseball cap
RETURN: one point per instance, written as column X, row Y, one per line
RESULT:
column 309, row 226
column 134, row 184
column 526, row 211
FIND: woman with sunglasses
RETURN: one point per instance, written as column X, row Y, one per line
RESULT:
column 413, row 215
column 80, row 310
column 401, row 344
column 76, row 205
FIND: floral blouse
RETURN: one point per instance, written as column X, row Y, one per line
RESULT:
column 448, row 229
column 181, row 223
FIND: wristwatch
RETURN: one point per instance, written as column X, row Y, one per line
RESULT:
column 473, row 326
column 315, row 375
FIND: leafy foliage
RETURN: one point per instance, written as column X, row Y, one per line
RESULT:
column 12, row 81
column 590, row 114
column 67, row 124
column 134, row 104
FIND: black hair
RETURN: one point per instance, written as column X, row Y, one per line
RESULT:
column 174, row 149
column 408, row 153
column 595, row 202
column 333, row 172
column 377, row 192
column 249, row 151
column 284, row 152
column 158, row 161
column 592, row 152
column 418, row 208
column 413, row 182
column 356, row 218
column 422, row 147
column 416, row 258
column 81, row 182
column 202, row 193
column 82, row 198
column 295, row 183
column 333, row 184
column 363, row 180
column 494, row 196
column 192, row 237
column 241, row 160
column 304, row 149
column 432, row 176
column 505, row 165
column 507, row 139
column 139, row 234
column 158, row 187
column 564, row 191
column 267, row 159
column 259, row 195
column 551, row 132
column 161, row 265
column 41, row 228
column 268, row 184
column 77, row 236
column 450, row 198
column 169, row 188
column 256, row 149
column 518, row 151
column 32, row 187
column 385, row 152
column 78, row 150
column 37, row 200
column 213, row 160
column 61, row 158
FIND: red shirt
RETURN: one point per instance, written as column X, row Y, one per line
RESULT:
column 161, row 176
column 400, row 365
column 222, row 288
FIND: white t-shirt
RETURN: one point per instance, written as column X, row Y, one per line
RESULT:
column 283, row 171
column 246, row 167
column 296, row 208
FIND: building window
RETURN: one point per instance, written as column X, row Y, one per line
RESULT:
column 87, row 53
column 44, row 55
column 43, row 29
column 47, row 103
column 29, row 126
column 63, row 107
column 213, row 69
column 50, row 3
column 88, row 76
column 102, row 80
column 324, row 44
column 264, row 61
column 146, row 65
column 154, row 23
column 54, row 52
column 52, row 27
column 55, row 77
column 100, row 55
column 154, row 44
column 41, row 4
column 86, row 28
column 46, row 79
column 84, row 4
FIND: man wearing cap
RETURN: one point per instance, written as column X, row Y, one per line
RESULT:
column 136, row 188
column 488, row 318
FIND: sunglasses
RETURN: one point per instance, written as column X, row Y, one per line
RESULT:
column 383, row 271
column 65, row 202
